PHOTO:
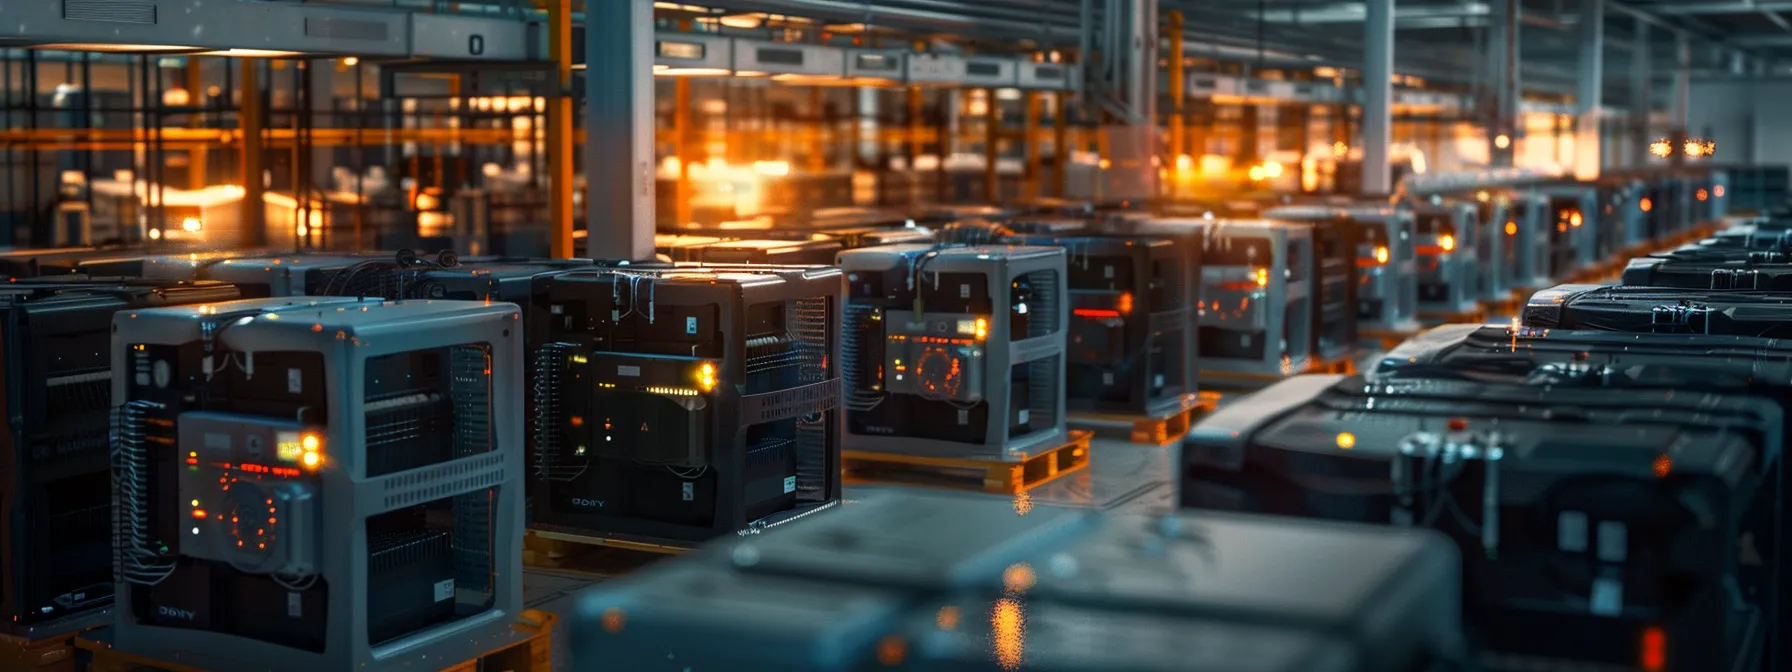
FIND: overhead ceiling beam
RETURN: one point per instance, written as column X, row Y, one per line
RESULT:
column 1775, row 41
column 1470, row 15
column 1712, row 8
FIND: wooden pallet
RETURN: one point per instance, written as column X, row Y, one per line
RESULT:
column 596, row 556
column 994, row 476
column 534, row 653
column 1156, row 430
column 1345, row 365
column 50, row 654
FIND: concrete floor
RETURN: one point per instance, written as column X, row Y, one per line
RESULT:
column 1121, row 476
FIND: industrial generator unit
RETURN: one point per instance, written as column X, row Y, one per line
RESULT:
column 1573, row 236
column 1495, row 211
column 1130, row 348
column 808, row 252
column 1385, row 239
column 1621, row 223
column 1257, row 284
column 1448, row 243
column 675, row 406
column 1527, row 253
column 318, row 484
column 954, row 352
column 56, row 501
column 1478, row 453
column 916, row 581
column 277, row 276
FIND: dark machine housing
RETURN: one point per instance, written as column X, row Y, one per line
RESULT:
column 675, row 406
column 1576, row 546
column 277, row 456
column 806, row 252
column 56, row 499
column 1131, row 345
column 840, row 592
column 954, row 351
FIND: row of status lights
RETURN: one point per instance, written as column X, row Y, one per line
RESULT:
column 1691, row 148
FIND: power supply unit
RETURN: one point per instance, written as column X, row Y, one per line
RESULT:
column 1573, row 237
column 857, row 237
column 1497, row 213
column 278, row 275
column 1582, row 532
column 805, row 252
column 954, row 352
column 678, row 405
column 31, row 263
column 940, row 215
column 1448, row 242
column 1131, row 339
column 918, row 581
column 55, row 499
column 149, row 266
column 408, row 276
column 827, row 219
column 319, row 483
column 1760, row 271
column 1257, row 286
column 1385, row 240
column 1659, row 203
column 1711, row 194
column 834, row 229
column 1526, row 249
column 1048, row 226
column 1620, row 220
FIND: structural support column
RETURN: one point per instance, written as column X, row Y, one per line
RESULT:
column 1061, row 145
column 619, row 129
column 1642, row 98
column 1682, row 91
column 992, row 147
column 1378, row 96
column 195, row 86
column 1031, row 180
column 1502, row 45
column 1178, row 95
column 1587, row 101
column 681, row 139
column 250, row 117
column 559, row 135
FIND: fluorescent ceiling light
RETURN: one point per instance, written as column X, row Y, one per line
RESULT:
column 252, row 53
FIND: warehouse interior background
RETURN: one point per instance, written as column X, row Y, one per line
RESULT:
column 373, row 123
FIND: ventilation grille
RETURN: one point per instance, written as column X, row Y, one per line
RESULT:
column 471, row 390
column 73, row 402
column 473, row 540
column 430, row 484
column 976, row 69
column 344, row 29
column 109, row 11
column 1048, row 294
column 1045, row 388
column 545, row 385
column 857, row 329
column 813, row 330
column 781, row 56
